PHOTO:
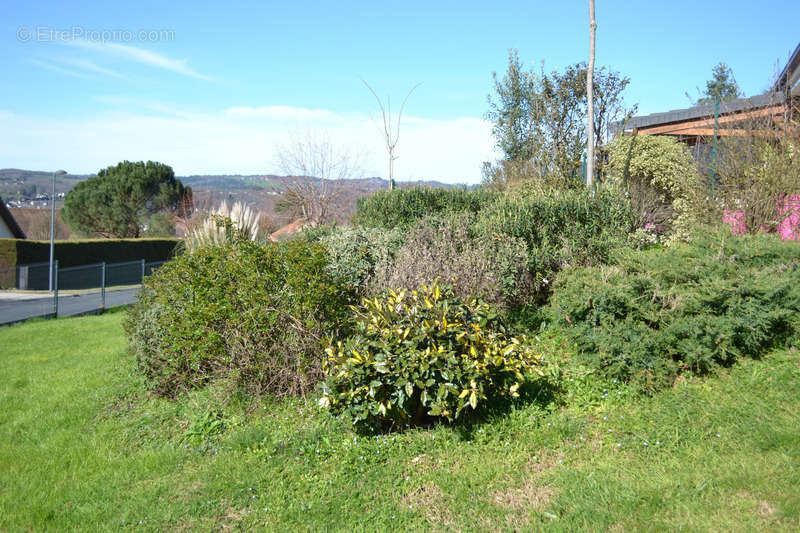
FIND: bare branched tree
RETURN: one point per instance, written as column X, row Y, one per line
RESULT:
column 391, row 133
column 315, row 168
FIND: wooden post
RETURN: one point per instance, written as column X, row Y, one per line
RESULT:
column 590, row 101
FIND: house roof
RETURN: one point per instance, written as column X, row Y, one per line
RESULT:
column 790, row 75
column 702, row 111
column 5, row 214
column 787, row 83
column 288, row 230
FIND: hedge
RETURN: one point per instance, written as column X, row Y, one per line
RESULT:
column 402, row 207
column 84, row 252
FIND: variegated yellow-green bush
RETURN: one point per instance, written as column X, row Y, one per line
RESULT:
column 663, row 183
column 424, row 354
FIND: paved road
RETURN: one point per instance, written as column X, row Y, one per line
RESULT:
column 15, row 309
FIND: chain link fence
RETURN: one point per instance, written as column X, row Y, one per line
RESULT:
column 29, row 292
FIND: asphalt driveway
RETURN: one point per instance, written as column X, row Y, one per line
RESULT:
column 15, row 307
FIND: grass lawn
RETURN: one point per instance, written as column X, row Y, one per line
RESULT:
column 82, row 447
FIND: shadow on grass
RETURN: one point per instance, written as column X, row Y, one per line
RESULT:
column 540, row 392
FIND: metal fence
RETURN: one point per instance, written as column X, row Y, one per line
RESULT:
column 76, row 290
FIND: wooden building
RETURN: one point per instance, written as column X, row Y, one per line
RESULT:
column 777, row 108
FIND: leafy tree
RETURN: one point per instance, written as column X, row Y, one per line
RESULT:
column 160, row 225
column 540, row 122
column 120, row 200
column 514, row 111
column 722, row 85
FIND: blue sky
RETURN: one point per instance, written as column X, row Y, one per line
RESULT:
column 222, row 88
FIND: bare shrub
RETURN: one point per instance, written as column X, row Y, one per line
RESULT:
column 758, row 174
column 493, row 268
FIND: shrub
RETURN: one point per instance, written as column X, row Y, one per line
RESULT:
column 493, row 268
column 760, row 184
column 691, row 307
column 559, row 228
column 423, row 354
column 218, row 226
column 252, row 314
column 402, row 207
column 354, row 252
column 662, row 180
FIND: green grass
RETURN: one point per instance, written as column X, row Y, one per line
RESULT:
column 83, row 447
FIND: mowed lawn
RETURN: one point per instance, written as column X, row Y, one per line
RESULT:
column 84, row 447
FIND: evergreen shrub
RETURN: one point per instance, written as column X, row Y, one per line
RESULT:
column 256, row 315
column 687, row 308
column 422, row 355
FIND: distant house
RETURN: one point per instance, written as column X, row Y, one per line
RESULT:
column 9, row 229
column 692, row 125
column 288, row 230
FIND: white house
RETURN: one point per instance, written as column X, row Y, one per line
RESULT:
column 9, row 229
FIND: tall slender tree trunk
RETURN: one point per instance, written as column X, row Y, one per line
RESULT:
column 391, row 170
column 590, row 98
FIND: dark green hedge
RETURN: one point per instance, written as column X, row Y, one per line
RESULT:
column 403, row 207
column 75, row 253
column 8, row 252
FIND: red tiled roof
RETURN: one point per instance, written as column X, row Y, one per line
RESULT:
column 288, row 230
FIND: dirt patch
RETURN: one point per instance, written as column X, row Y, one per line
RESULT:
column 532, row 495
column 520, row 502
column 765, row 509
column 432, row 502
column 231, row 518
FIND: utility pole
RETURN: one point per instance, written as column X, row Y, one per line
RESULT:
column 53, row 225
column 590, row 99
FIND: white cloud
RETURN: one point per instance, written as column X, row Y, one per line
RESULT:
column 61, row 70
column 239, row 140
column 140, row 55
column 91, row 66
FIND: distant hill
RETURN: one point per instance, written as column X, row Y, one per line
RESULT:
column 21, row 184
column 259, row 191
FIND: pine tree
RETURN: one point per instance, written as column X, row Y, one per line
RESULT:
column 723, row 86
column 120, row 200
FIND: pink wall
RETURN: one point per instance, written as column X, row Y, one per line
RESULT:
column 789, row 229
